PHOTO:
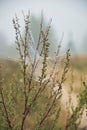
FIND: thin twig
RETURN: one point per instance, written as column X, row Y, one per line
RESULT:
column 6, row 112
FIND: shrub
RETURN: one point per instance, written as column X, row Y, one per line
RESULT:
column 27, row 103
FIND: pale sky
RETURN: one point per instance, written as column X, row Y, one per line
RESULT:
column 67, row 16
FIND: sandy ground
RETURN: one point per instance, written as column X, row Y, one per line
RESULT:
column 65, row 100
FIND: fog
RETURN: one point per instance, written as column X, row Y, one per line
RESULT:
column 68, row 17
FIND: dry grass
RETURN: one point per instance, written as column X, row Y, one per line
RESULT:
column 8, row 68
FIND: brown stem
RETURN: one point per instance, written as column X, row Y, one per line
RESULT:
column 6, row 112
column 24, row 118
column 66, row 128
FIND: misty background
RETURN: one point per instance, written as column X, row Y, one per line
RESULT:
column 68, row 17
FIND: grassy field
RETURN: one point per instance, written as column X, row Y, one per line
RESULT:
column 77, row 74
